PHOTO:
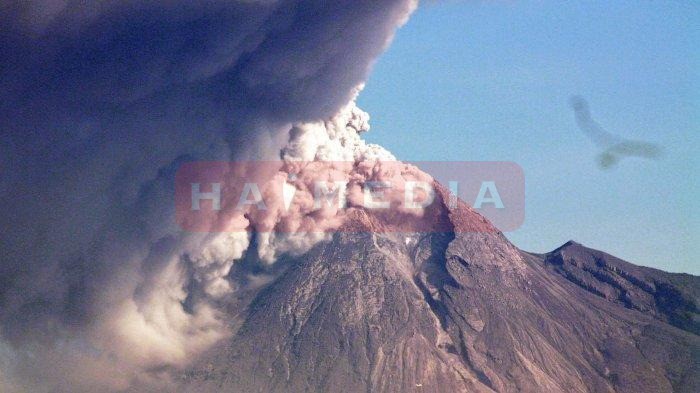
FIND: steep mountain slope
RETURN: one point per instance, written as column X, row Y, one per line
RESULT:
column 669, row 297
column 458, row 311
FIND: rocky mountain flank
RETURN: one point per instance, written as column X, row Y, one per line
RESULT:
column 457, row 310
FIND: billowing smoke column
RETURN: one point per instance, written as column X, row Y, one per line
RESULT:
column 100, row 103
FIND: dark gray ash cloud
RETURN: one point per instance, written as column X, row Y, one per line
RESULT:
column 99, row 104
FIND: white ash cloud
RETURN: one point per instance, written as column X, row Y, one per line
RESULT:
column 331, row 149
column 99, row 105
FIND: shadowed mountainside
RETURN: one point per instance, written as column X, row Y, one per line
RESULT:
column 669, row 297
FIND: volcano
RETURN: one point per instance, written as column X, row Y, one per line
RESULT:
column 113, row 277
column 456, row 310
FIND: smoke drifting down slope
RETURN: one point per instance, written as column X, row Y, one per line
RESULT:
column 99, row 105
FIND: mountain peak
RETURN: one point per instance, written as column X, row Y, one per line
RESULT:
column 571, row 243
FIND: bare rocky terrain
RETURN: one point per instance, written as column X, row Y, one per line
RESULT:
column 457, row 311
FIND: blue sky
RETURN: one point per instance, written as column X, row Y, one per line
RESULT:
column 491, row 81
